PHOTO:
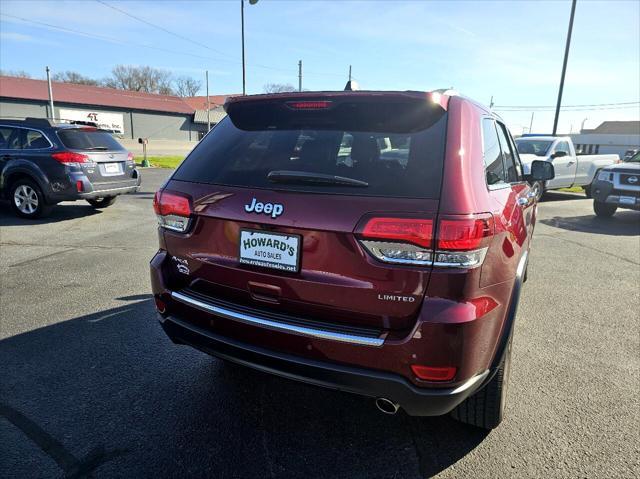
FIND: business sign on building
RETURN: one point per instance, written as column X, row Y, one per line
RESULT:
column 113, row 122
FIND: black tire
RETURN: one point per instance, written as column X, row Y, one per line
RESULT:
column 604, row 210
column 27, row 199
column 485, row 409
column 587, row 191
column 103, row 202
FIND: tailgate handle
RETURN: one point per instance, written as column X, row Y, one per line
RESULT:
column 264, row 292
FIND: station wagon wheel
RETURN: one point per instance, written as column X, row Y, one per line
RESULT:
column 27, row 199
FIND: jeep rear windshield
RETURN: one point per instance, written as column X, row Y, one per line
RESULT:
column 390, row 150
column 88, row 139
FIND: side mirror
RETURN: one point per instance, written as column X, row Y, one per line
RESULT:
column 542, row 170
column 559, row 154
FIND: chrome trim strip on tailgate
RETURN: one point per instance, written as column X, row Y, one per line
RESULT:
column 267, row 323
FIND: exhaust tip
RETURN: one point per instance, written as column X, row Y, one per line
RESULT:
column 387, row 406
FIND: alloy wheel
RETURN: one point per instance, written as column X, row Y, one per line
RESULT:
column 26, row 199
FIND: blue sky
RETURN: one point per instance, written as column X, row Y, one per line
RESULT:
column 509, row 50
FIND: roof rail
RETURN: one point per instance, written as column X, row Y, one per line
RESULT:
column 34, row 121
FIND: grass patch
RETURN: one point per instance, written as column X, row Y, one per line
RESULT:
column 162, row 161
column 573, row 189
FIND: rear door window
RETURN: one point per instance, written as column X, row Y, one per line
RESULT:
column 385, row 163
column 492, row 155
column 88, row 139
column 34, row 140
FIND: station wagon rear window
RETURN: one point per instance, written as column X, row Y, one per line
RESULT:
column 88, row 139
column 367, row 156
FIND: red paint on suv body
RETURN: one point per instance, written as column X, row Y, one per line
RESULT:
column 454, row 320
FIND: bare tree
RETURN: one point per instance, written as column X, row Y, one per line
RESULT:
column 187, row 86
column 146, row 79
column 15, row 73
column 74, row 77
column 278, row 87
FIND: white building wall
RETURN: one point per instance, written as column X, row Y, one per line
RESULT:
column 605, row 143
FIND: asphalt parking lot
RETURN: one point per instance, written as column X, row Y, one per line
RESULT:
column 90, row 385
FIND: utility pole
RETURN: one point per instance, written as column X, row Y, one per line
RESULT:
column 208, row 103
column 531, row 122
column 299, row 75
column 244, row 70
column 564, row 66
column 244, row 73
column 51, row 111
column 349, row 72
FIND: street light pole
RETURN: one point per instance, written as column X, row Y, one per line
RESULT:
column 564, row 66
column 208, row 104
column 51, row 112
column 244, row 74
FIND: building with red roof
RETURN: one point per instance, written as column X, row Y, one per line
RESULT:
column 130, row 114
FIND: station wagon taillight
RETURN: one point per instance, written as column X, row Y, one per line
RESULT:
column 173, row 210
column 70, row 157
column 458, row 241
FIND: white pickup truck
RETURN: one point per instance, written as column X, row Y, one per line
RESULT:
column 571, row 169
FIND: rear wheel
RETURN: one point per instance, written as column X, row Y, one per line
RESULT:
column 103, row 202
column 486, row 407
column 604, row 210
column 27, row 199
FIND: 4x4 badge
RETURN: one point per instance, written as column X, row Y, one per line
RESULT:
column 273, row 209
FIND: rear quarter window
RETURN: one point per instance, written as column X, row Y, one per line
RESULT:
column 393, row 164
column 88, row 139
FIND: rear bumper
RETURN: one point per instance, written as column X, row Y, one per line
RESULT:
column 116, row 189
column 415, row 401
column 66, row 189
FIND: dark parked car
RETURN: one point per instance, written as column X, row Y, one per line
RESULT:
column 43, row 163
column 617, row 186
column 370, row 242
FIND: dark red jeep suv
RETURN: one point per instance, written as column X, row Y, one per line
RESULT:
column 370, row 242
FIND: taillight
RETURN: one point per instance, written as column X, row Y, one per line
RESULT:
column 173, row 210
column 460, row 241
column 399, row 240
column 70, row 157
column 463, row 233
column 417, row 231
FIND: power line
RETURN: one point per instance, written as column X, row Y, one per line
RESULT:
column 569, row 109
column 152, row 47
column 159, row 27
column 203, row 45
column 529, row 107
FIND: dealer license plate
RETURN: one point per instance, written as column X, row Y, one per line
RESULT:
column 627, row 200
column 111, row 168
column 270, row 250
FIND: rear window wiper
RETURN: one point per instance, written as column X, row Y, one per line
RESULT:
column 286, row 176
